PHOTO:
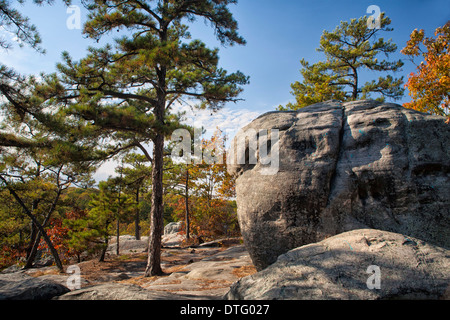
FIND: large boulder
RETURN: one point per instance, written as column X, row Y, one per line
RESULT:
column 173, row 227
column 128, row 244
column 20, row 286
column 342, row 167
column 172, row 236
column 363, row 264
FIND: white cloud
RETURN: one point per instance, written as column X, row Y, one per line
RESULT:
column 23, row 60
column 106, row 170
column 226, row 120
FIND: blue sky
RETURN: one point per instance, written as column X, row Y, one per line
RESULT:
column 278, row 33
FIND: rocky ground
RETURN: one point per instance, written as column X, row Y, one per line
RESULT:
column 335, row 268
column 205, row 272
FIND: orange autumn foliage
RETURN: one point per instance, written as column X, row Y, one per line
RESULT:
column 429, row 88
column 212, row 208
column 59, row 235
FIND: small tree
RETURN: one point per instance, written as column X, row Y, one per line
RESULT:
column 429, row 88
column 349, row 49
column 203, row 193
column 93, row 231
column 136, row 178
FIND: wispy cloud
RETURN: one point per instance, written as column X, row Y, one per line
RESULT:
column 24, row 60
column 226, row 120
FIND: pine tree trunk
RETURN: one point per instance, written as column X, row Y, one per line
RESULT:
column 41, row 232
column 157, row 212
column 156, row 219
column 137, row 232
column 32, row 256
column 355, row 84
column 117, row 235
column 33, row 235
column 104, row 249
column 186, row 202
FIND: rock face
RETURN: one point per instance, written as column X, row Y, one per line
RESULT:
column 19, row 286
column 338, row 268
column 172, row 236
column 342, row 167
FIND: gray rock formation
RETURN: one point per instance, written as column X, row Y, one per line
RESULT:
column 128, row 244
column 172, row 236
column 19, row 286
column 338, row 268
column 342, row 167
column 173, row 227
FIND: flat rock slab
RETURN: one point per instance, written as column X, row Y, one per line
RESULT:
column 200, row 273
column 209, row 278
column 119, row 291
column 127, row 244
column 364, row 264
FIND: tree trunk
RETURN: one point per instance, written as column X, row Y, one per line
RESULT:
column 32, row 255
column 186, row 202
column 355, row 84
column 137, row 232
column 33, row 235
column 46, row 239
column 37, row 224
column 157, row 212
column 48, row 242
column 103, row 253
column 117, row 235
column 156, row 219
column 37, row 240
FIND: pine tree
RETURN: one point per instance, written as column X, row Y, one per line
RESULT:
column 350, row 48
column 136, row 175
column 125, row 94
column 92, row 232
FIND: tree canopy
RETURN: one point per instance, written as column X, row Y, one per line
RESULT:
column 429, row 88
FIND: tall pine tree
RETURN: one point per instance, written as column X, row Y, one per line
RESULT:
column 124, row 94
